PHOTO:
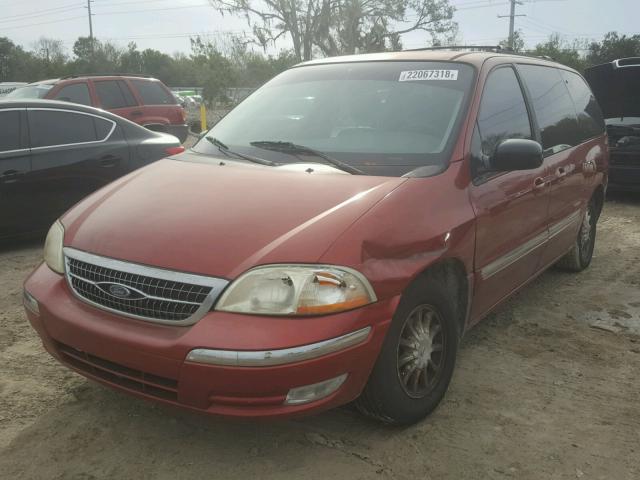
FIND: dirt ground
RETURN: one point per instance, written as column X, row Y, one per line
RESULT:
column 547, row 387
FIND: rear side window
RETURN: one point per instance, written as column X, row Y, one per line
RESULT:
column 590, row 118
column 74, row 93
column 114, row 94
column 53, row 127
column 9, row 130
column 126, row 91
column 553, row 107
column 153, row 93
column 103, row 127
column 503, row 111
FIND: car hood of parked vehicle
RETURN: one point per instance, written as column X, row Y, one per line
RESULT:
column 220, row 218
column 616, row 86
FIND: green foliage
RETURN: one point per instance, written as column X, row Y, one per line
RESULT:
column 518, row 42
column 341, row 26
column 613, row 47
column 562, row 52
column 209, row 66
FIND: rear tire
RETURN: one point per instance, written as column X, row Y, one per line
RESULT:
column 580, row 255
column 417, row 359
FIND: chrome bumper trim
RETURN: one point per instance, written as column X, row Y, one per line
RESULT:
column 266, row 358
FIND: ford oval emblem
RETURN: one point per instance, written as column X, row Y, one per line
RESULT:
column 119, row 291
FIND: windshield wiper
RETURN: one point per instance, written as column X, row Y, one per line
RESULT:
column 292, row 148
column 227, row 151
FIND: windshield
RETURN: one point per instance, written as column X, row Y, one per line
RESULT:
column 31, row 91
column 385, row 118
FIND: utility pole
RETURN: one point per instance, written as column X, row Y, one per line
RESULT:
column 512, row 17
column 90, row 21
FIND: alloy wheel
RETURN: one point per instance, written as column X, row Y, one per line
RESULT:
column 585, row 233
column 421, row 351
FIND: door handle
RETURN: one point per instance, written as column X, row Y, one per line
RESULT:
column 136, row 113
column 109, row 161
column 11, row 176
column 539, row 183
column 589, row 166
column 561, row 172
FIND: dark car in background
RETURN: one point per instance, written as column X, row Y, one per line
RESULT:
column 53, row 154
column 616, row 85
column 143, row 100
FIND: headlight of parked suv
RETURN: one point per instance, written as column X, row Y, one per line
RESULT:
column 53, row 255
column 297, row 290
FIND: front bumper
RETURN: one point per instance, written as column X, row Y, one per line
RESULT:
column 226, row 364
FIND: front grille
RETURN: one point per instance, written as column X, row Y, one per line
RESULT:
column 154, row 385
column 149, row 293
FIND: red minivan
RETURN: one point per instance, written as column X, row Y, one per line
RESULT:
column 141, row 99
column 331, row 239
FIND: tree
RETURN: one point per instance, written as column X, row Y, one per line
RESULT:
column 518, row 42
column 215, row 71
column 94, row 56
column 562, row 52
column 340, row 26
column 52, row 56
column 16, row 65
column 613, row 47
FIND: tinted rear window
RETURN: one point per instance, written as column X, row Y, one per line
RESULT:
column 74, row 93
column 153, row 93
column 112, row 96
column 553, row 107
column 51, row 127
column 9, row 130
column 590, row 118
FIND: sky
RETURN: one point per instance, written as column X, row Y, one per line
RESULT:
column 166, row 25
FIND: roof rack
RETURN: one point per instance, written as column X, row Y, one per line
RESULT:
column 481, row 48
column 80, row 75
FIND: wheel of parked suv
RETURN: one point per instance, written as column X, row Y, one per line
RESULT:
column 417, row 359
column 581, row 253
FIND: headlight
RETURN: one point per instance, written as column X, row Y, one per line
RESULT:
column 297, row 290
column 53, row 256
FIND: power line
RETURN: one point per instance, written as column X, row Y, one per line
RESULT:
column 153, row 9
column 42, row 23
column 41, row 13
column 512, row 17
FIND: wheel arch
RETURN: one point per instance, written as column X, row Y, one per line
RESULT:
column 598, row 197
column 452, row 272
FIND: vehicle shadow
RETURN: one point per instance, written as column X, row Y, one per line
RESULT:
column 628, row 198
column 21, row 243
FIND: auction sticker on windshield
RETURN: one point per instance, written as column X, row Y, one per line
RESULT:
column 411, row 75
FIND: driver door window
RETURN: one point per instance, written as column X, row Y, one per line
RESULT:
column 503, row 115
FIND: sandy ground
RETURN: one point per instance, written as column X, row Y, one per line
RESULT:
column 547, row 387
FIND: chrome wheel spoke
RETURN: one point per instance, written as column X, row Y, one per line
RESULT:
column 406, row 358
column 434, row 366
column 420, row 351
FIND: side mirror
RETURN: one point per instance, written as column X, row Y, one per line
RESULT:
column 517, row 154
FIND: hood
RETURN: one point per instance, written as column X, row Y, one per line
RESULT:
column 220, row 219
column 616, row 86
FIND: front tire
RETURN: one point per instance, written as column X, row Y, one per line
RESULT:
column 417, row 359
column 580, row 255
